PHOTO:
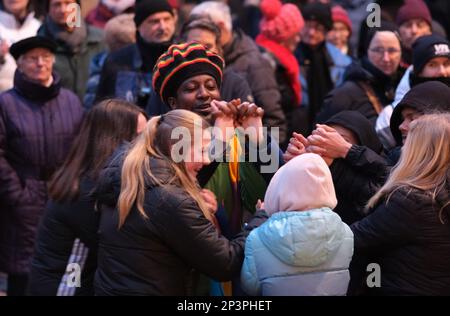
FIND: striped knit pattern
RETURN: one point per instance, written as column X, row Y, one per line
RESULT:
column 181, row 62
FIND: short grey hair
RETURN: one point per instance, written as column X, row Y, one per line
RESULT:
column 216, row 11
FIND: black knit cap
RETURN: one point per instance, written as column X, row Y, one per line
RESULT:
column 21, row 47
column 181, row 62
column 425, row 97
column 319, row 12
column 428, row 47
column 145, row 8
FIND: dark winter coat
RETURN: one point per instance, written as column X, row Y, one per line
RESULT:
column 358, row 176
column 74, row 67
column 353, row 97
column 67, row 235
column 127, row 72
column 37, row 126
column 243, row 56
column 408, row 241
column 161, row 254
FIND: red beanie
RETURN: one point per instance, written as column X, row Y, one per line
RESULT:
column 339, row 14
column 413, row 9
column 280, row 21
column 174, row 3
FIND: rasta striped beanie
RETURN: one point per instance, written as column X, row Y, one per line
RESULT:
column 181, row 62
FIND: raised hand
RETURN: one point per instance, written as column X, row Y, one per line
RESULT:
column 327, row 142
column 297, row 146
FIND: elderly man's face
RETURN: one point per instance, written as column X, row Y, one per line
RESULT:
column 158, row 27
column 37, row 65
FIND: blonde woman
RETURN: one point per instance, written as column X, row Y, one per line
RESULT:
column 408, row 233
column 161, row 230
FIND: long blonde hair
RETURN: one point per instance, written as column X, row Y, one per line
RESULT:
column 156, row 141
column 424, row 162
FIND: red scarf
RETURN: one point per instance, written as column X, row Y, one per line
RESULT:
column 287, row 59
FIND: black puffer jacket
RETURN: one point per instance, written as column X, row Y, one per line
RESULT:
column 359, row 175
column 67, row 234
column 159, row 255
column 352, row 96
column 408, row 241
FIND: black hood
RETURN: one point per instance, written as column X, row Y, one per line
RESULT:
column 360, row 126
column 425, row 97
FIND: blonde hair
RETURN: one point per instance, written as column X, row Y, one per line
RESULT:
column 156, row 141
column 424, row 162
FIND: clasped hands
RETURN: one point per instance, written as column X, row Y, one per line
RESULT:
column 324, row 141
column 237, row 114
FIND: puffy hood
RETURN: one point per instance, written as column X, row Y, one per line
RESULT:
column 304, row 183
column 304, row 239
column 425, row 97
column 360, row 126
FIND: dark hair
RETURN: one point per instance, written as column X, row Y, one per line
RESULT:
column 104, row 128
column 200, row 22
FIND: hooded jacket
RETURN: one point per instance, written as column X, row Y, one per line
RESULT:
column 304, row 248
column 425, row 97
column 357, row 176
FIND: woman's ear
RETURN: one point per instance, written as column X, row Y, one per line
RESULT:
column 172, row 102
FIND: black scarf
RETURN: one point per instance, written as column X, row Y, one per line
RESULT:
column 318, row 77
column 383, row 85
column 415, row 80
column 34, row 91
column 150, row 52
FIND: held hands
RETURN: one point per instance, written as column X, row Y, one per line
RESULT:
column 327, row 142
column 234, row 114
column 324, row 141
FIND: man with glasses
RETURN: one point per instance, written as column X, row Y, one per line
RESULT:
column 38, row 121
column 322, row 65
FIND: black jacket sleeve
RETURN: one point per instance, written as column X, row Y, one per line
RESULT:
column 195, row 239
column 359, row 175
column 390, row 224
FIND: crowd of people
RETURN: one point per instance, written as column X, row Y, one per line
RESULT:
column 310, row 155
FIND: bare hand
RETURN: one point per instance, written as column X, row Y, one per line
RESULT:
column 210, row 200
column 326, row 141
column 297, row 146
column 225, row 114
column 250, row 116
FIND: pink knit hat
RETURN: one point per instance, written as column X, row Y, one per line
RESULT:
column 280, row 21
column 413, row 9
column 339, row 14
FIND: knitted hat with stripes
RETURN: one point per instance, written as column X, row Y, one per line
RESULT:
column 181, row 62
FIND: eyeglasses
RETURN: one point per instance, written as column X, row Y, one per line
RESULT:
column 35, row 59
column 380, row 51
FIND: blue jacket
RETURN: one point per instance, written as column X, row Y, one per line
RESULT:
column 298, row 253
